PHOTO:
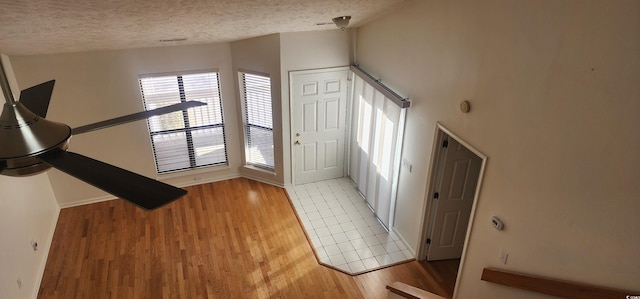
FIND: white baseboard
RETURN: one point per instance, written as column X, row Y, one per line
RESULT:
column 262, row 180
column 87, row 201
column 179, row 184
column 406, row 244
column 207, row 180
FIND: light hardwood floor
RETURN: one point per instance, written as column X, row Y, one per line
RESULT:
column 231, row 239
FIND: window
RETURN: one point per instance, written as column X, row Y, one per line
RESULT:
column 190, row 138
column 257, row 120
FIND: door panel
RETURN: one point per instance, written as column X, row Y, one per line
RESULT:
column 318, row 124
column 332, row 113
column 450, row 221
column 332, row 86
column 331, row 154
column 310, row 88
column 459, row 180
column 309, row 117
column 460, row 172
column 309, row 160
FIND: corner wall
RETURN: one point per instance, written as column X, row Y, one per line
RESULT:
column 28, row 211
column 261, row 54
column 278, row 55
column 554, row 95
column 304, row 51
column 94, row 86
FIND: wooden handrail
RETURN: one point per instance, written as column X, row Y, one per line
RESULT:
column 551, row 286
column 406, row 291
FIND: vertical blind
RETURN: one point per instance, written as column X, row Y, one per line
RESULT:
column 376, row 138
column 190, row 138
column 258, row 122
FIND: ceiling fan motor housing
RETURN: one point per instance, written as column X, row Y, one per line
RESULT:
column 27, row 135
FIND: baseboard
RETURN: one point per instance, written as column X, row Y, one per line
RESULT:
column 406, row 244
column 179, row 184
column 207, row 180
column 45, row 250
column 262, row 180
column 87, row 201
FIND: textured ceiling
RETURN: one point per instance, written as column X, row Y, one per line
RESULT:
column 50, row 26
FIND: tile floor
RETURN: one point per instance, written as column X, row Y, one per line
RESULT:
column 343, row 231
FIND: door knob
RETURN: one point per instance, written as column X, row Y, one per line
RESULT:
column 298, row 134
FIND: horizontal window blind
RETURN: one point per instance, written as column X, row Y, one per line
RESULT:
column 258, row 121
column 190, row 138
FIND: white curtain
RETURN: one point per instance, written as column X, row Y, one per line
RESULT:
column 377, row 126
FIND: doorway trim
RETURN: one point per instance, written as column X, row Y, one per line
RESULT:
column 292, row 116
column 429, row 202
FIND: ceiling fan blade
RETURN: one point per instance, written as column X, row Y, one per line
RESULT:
column 137, row 189
column 135, row 116
column 37, row 98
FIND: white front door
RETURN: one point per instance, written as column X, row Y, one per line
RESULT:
column 318, row 124
column 456, row 191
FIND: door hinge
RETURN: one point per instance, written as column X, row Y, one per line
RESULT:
column 445, row 143
column 436, row 195
column 428, row 240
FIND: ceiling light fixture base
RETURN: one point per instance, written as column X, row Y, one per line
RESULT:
column 342, row 22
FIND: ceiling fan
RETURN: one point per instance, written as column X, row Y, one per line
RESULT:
column 31, row 144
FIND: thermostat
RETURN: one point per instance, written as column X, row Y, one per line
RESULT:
column 497, row 223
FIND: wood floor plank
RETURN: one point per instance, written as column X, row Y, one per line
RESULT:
column 231, row 239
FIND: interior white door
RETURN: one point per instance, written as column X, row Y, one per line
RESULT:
column 456, row 191
column 318, row 124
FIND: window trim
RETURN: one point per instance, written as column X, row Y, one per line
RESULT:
column 243, row 107
column 188, row 129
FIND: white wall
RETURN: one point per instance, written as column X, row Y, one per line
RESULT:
column 554, row 92
column 277, row 55
column 262, row 54
column 28, row 211
column 93, row 86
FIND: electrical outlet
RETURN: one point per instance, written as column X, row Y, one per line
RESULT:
column 503, row 256
column 19, row 281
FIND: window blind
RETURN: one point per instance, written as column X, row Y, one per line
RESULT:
column 376, row 138
column 258, row 121
column 190, row 138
